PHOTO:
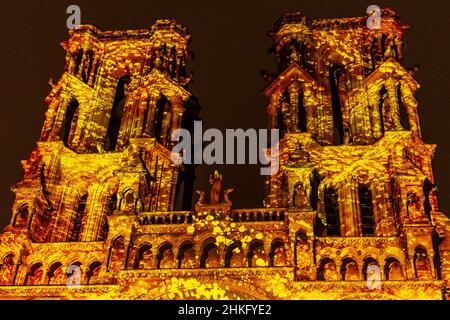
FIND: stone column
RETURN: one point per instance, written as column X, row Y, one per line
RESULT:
column 411, row 106
column 150, row 121
column 294, row 91
column 93, row 217
column 393, row 103
column 64, row 215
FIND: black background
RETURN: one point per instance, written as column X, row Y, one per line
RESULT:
column 231, row 44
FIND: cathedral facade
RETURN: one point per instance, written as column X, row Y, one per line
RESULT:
column 104, row 213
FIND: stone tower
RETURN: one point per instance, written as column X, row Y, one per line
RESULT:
column 103, row 212
column 353, row 162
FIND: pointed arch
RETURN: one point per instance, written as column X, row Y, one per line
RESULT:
column 422, row 267
column 393, row 270
column 116, row 115
column 349, row 270
column 209, row 257
column 403, row 112
column 327, row 270
column 186, row 255
column 69, row 123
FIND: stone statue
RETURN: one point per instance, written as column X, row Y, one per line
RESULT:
column 413, row 206
column 201, row 199
column 226, row 196
column 347, row 139
column 216, row 188
column 300, row 197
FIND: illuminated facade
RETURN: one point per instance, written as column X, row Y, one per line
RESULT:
column 354, row 201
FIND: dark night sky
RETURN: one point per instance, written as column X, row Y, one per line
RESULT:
column 231, row 45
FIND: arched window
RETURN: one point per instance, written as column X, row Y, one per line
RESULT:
column 166, row 257
column 7, row 270
column 69, row 122
column 34, row 275
column 256, row 256
column 366, row 207
column 327, row 270
column 403, row 113
column 381, row 102
column 277, row 255
column 78, row 222
column 422, row 266
column 186, row 256
column 332, row 212
column 210, row 256
column 117, row 254
column 234, row 257
column 302, row 116
column 115, row 119
column 349, row 270
column 300, row 247
column 74, row 274
column 393, row 270
column 336, row 74
column 372, row 273
column 56, row 274
column 93, row 272
column 370, row 267
column 112, row 204
column 144, row 257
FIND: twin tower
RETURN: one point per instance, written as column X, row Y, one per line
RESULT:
column 354, row 201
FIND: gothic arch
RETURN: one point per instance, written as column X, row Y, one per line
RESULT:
column 393, row 269
column 166, row 257
column 209, row 257
column 93, row 271
column 422, row 265
column 350, row 270
column 141, row 256
column 256, row 255
column 186, row 255
column 278, row 254
column 367, row 263
column 116, row 254
column 69, row 122
column 117, row 113
column 7, row 269
column 234, row 256
column 35, row 274
column 55, row 274
column 327, row 270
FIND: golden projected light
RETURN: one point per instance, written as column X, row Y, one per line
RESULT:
column 103, row 213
